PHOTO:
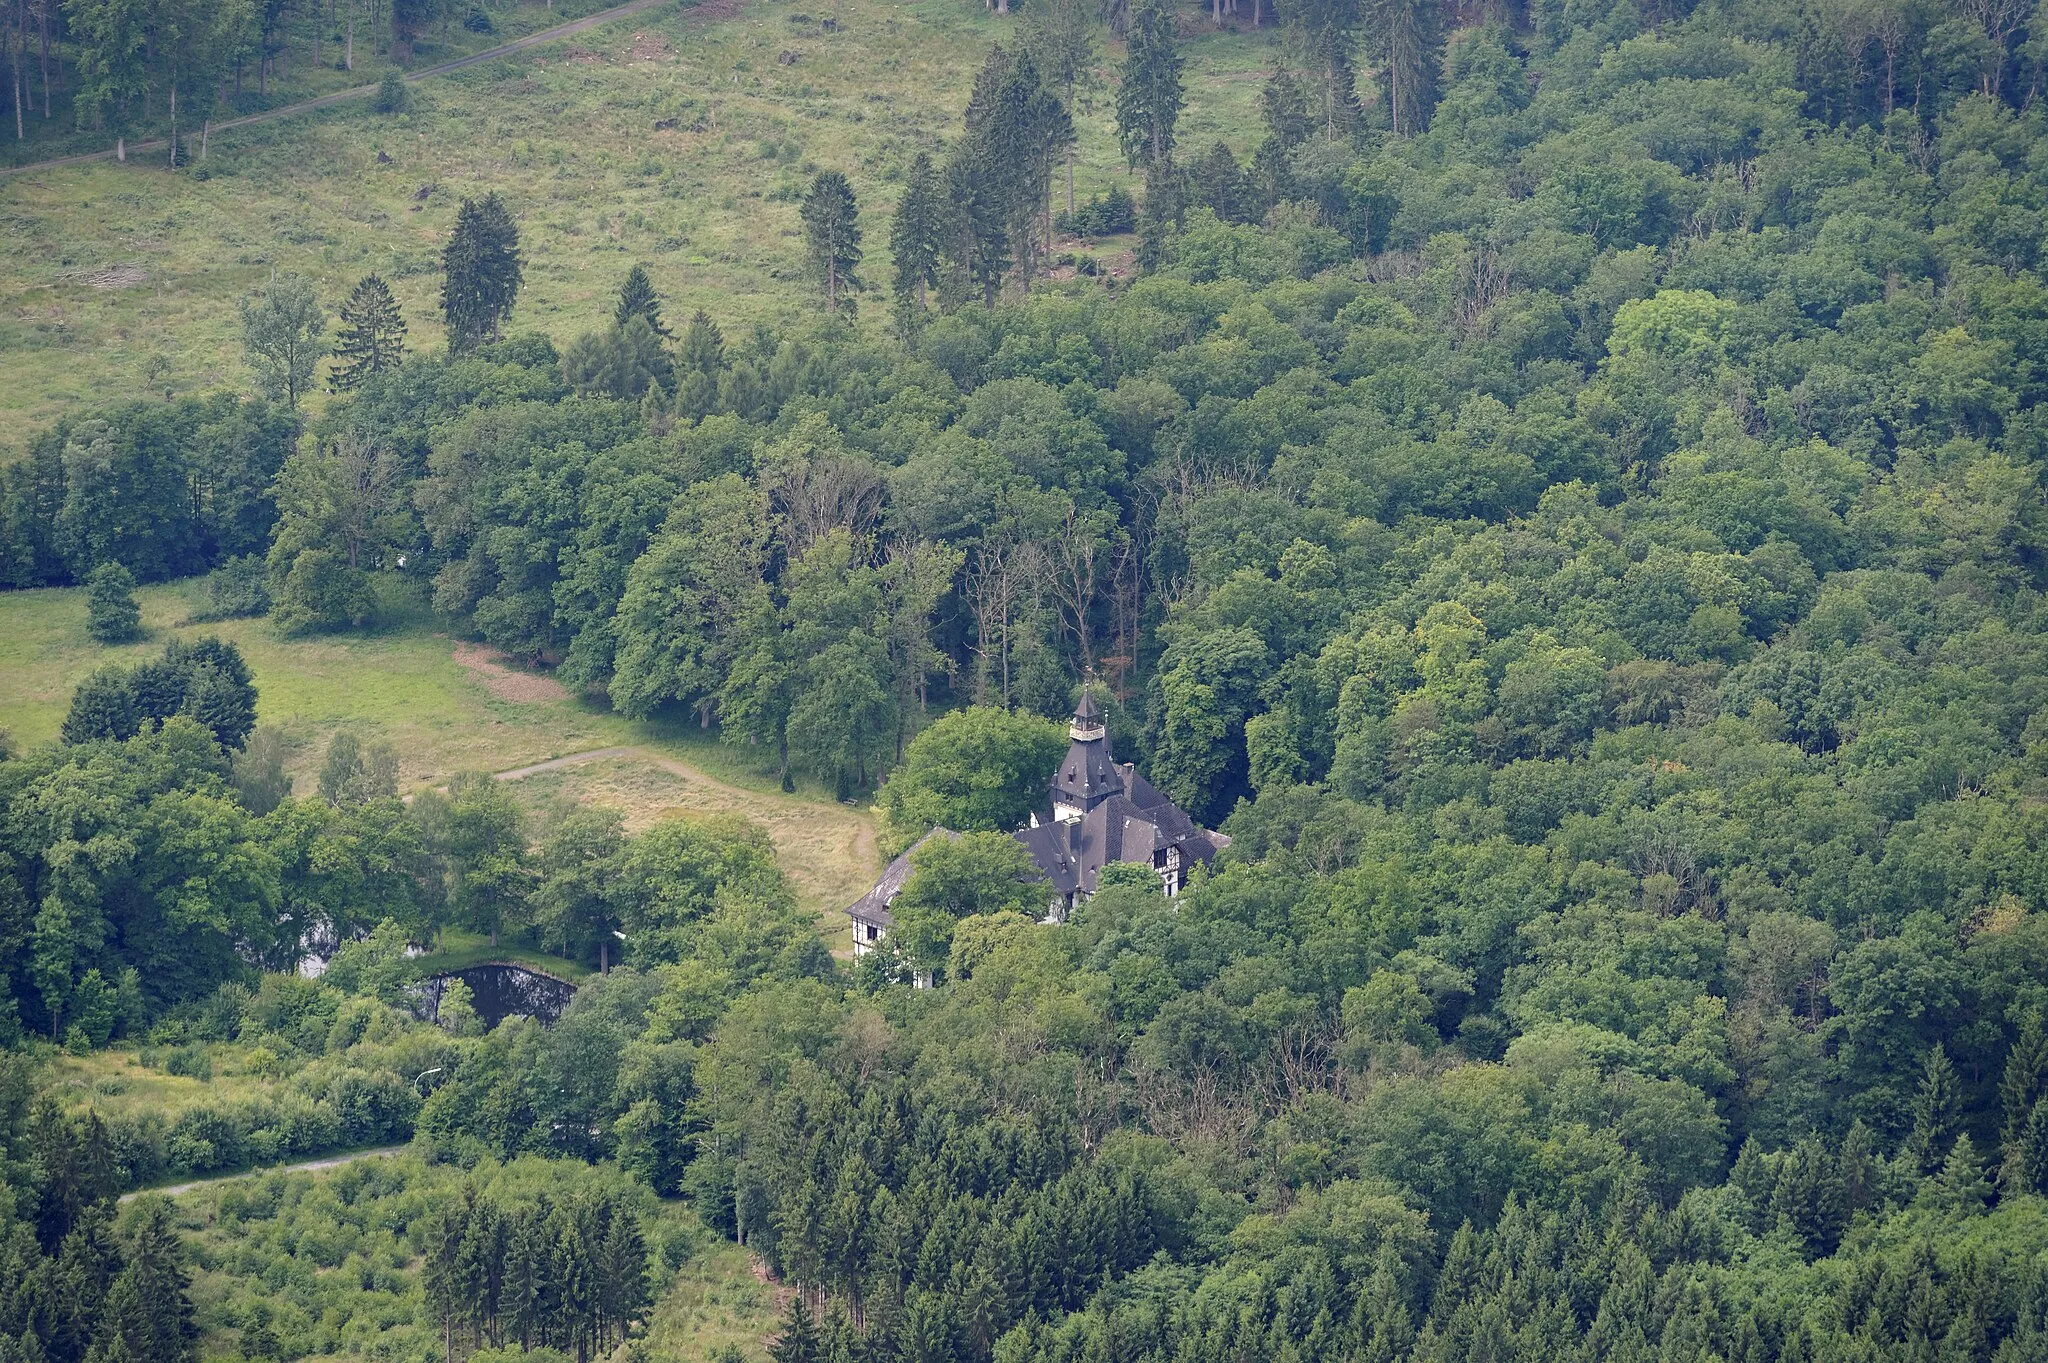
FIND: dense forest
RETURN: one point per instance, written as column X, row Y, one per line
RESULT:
column 1569, row 506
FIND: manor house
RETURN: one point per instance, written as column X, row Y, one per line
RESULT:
column 1102, row 811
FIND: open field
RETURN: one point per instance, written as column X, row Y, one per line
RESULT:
column 116, row 1081
column 721, row 1298
column 567, row 133
column 446, row 707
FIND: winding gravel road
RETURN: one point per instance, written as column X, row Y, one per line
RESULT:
column 331, row 1162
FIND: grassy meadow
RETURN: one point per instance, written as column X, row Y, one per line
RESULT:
column 446, row 707
column 761, row 93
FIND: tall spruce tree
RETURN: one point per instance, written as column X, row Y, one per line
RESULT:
column 1148, row 103
column 2024, row 1080
column 798, row 1341
column 1407, row 38
column 978, row 238
column 831, row 219
column 916, row 236
column 1325, row 32
column 481, row 273
column 1937, row 1111
column 701, row 361
column 1043, row 133
column 637, row 299
column 1060, row 37
column 2029, row 1161
column 372, row 334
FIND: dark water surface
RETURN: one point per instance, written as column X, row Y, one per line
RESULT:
column 502, row 991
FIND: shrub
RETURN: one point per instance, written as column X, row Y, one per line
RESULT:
column 111, row 615
column 237, row 590
column 392, row 97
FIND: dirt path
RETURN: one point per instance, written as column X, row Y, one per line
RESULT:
column 546, row 35
column 829, row 851
column 331, row 1162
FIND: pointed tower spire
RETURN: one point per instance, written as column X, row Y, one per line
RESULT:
column 1088, row 775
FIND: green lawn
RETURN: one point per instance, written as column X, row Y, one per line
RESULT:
column 566, row 132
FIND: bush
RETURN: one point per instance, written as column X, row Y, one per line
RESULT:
column 111, row 615
column 237, row 590
column 190, row 1061
column 392, row 97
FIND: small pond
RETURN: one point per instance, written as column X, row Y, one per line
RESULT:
column 500, row 992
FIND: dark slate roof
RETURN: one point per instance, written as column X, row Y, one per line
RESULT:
column 1143, row 793
column 1056, row 848
column 873, row 907
column 1088, row 712
column 1073, row 853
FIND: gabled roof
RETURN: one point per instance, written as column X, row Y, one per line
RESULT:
column 1056, row 848
column 1072, row 852
column 873, row 907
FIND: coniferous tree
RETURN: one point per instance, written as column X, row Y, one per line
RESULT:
column 1406, row 37
column 916, row 236
column 526, row 1275
column 1385, row 1329
column 701, row 361
column 441, row 1271
column 1149, row 101
column 150, row 1305
column 999, row 182
column 2032, row 1155
column 831, row 220
column 372, row 334
column 637, row 299
column 1218, row 183
column 1325, row 33
column 1857, row 1164
column 798, row 1340
column 980, row 187
column 1059, row 36
column 1937, row 1111
column 2023, row 1082
column 1963, row 1185
column 1044, row 133
column 481, row 273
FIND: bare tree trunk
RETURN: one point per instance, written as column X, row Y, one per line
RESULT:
column 204, row 129
column 1073, row 582
column 174, row 122
column 349, row 52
